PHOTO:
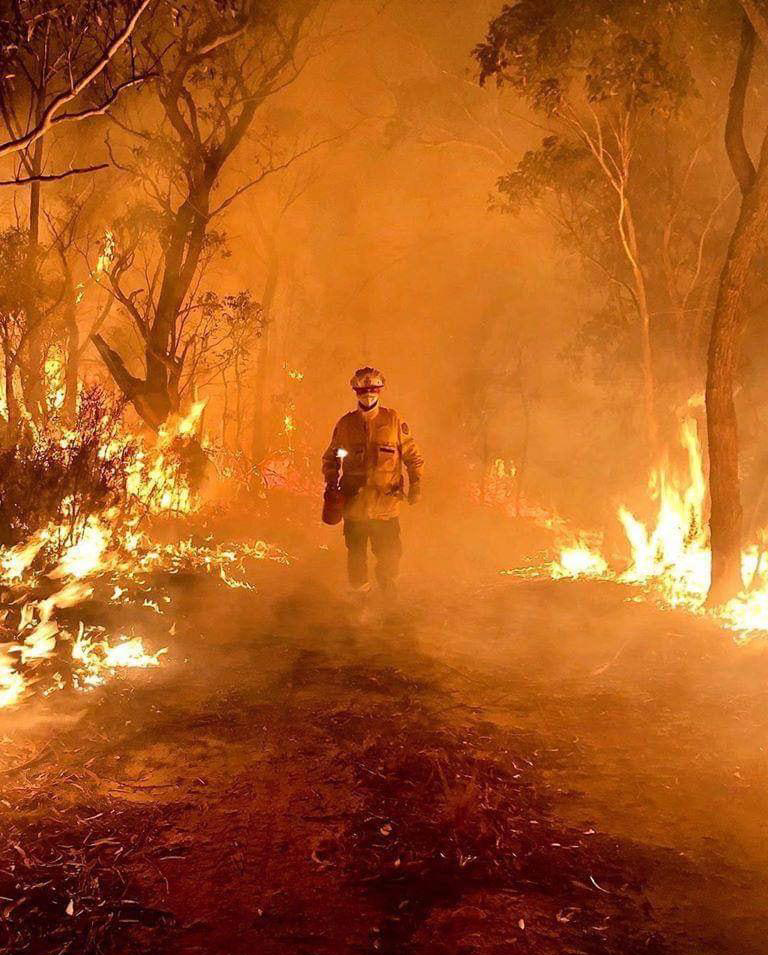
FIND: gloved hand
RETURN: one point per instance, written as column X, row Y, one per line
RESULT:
column 414, row 493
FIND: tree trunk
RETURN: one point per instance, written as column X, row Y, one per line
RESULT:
column 72, row 365
column 157, row 395
column 34, row 377
column 225, row 409
column 238, row 406
column 728, row 322
column 260, row 415
column 10, row 399
column 646, row 350
column 260, row 402
column 523, row 458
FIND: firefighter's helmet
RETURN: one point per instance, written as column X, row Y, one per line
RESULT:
column 367, row 378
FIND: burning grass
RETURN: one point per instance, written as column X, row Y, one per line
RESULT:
column 78, row 504
column 670, row 557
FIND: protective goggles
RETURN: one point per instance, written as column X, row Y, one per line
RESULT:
column 369, row 390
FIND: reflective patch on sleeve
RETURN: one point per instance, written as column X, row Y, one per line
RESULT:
column 405, row 428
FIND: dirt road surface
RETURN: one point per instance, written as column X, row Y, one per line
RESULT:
column 494, row 765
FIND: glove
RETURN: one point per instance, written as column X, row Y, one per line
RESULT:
column 414, row 493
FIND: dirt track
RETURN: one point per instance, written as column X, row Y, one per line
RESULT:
column 497, row 766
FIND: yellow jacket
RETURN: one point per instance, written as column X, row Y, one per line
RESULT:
column 379, row 445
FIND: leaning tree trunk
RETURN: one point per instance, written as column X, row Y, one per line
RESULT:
column 156, row 396
column 181, row 260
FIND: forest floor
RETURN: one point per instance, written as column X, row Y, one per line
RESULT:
column 495, row 765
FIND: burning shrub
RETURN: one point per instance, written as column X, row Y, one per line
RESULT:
column 69, row 476
column 66, row 474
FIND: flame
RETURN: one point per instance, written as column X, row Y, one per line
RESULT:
column 107, row 253
column 579, row 560
column 188, row 424
column 156, row 478
column 56, row 389
column 12, row 683
column 97, row 658
column 103, row 262
column 80, row 549
column 670, row 556
column 675, row 552
column 15, row 561
column 86, row 556
column 130, row 557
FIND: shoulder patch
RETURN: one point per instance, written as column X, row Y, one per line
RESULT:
column 405, row 428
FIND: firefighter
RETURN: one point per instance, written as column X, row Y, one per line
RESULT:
column 370, row 449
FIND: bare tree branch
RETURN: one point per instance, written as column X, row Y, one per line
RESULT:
column 53, row 177
column 50, row 115
column 273, row 169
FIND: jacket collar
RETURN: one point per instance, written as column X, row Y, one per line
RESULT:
column 369, row 415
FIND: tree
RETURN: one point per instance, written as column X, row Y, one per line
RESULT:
column 729, row 318
column 66, row 225
column 270, row 223
column 216, row 68
column 57, row 54
column 606, row 78
column 242, row 321
column 17, row 277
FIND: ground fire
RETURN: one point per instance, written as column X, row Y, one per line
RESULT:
column 670, row 558
column 383, row 477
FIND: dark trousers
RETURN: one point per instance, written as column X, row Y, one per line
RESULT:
column 385, row 544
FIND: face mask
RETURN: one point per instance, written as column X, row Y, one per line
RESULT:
column 367, row 402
